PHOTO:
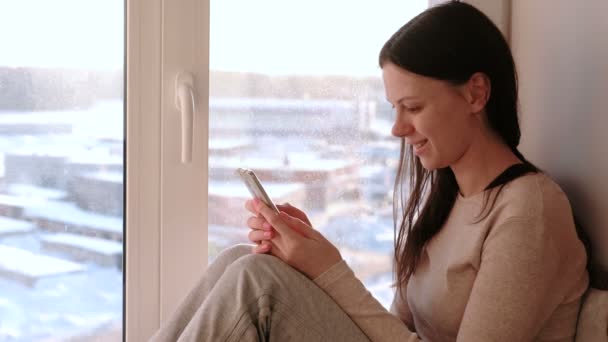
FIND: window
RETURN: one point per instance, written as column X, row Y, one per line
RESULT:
column 296, row 95
column 61, row 170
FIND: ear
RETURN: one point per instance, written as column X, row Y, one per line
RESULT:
column 478, row 89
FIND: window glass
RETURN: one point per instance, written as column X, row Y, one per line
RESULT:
column 61, row 170
column 296, row 95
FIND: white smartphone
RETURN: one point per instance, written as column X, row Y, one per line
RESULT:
column 255, row 187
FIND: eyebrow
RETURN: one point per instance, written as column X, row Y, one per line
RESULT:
column 404, row 98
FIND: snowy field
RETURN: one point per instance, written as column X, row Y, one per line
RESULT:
column 59, row 305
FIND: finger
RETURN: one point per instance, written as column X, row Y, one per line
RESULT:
column 258, row 236
column 255, row 222
column 250, row 206
column 297, row 225
column 268, row 247
column 264, row 247
column 275, row 250
column 295, row 212
column 275, row 221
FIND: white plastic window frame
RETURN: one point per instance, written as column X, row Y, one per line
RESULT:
column 166, row 200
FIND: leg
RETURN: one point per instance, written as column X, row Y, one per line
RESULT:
column 173, row 328
column 260, row 298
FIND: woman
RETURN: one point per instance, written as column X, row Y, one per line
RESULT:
column 486, row 248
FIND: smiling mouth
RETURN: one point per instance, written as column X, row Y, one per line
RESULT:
column 419, row 145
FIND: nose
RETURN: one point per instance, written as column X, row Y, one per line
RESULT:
column 402, row 127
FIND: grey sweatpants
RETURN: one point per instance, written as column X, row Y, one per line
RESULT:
column 257, row 297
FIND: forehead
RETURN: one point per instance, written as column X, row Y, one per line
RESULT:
column 400, row 83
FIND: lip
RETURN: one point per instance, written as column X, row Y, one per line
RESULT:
column 421, row 149
column 415, row 142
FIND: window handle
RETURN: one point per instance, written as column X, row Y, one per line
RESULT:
column 184, row 101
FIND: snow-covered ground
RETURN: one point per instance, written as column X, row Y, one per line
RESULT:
column 9, row 226
column 48, row 293
column 57, row 305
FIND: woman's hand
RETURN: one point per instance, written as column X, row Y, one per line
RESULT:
column 291, row 238
column 261, row 231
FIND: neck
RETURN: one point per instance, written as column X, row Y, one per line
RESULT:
column 481, row 163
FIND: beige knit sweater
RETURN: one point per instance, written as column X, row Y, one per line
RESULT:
column 518, row 275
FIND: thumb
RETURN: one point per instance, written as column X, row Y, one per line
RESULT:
column 298, row 225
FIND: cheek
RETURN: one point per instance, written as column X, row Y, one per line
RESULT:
column 449, row 136
column 444, row 151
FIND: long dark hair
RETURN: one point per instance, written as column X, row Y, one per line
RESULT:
column 449, row 42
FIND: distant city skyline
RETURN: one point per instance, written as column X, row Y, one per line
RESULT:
column 275, row 37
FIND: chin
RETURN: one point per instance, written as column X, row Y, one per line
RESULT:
column 431, row 165
column 428, row 166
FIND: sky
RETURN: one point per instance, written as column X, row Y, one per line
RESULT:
column 264, row 36
column 62, row 33
column 305, row 36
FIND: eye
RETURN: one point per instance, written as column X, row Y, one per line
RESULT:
column 412, row 110
column 401, row 108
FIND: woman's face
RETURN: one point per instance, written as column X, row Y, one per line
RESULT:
column 433, row 116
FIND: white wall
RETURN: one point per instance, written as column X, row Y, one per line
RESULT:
column 561, row 52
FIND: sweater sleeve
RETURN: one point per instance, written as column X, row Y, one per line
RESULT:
column 340, row 283
column 514, row 292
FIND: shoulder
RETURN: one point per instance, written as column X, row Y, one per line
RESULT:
column 534, row 196
column 534, row 211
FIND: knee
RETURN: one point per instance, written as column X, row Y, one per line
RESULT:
column 237, row 251
column 264, row 273
column 231, row 254
column 260, row 264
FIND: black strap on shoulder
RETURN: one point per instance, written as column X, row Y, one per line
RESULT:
column 512, row 172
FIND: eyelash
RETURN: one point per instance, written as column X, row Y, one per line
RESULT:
column 411, row 110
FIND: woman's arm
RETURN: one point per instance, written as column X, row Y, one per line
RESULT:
column 340, row 283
